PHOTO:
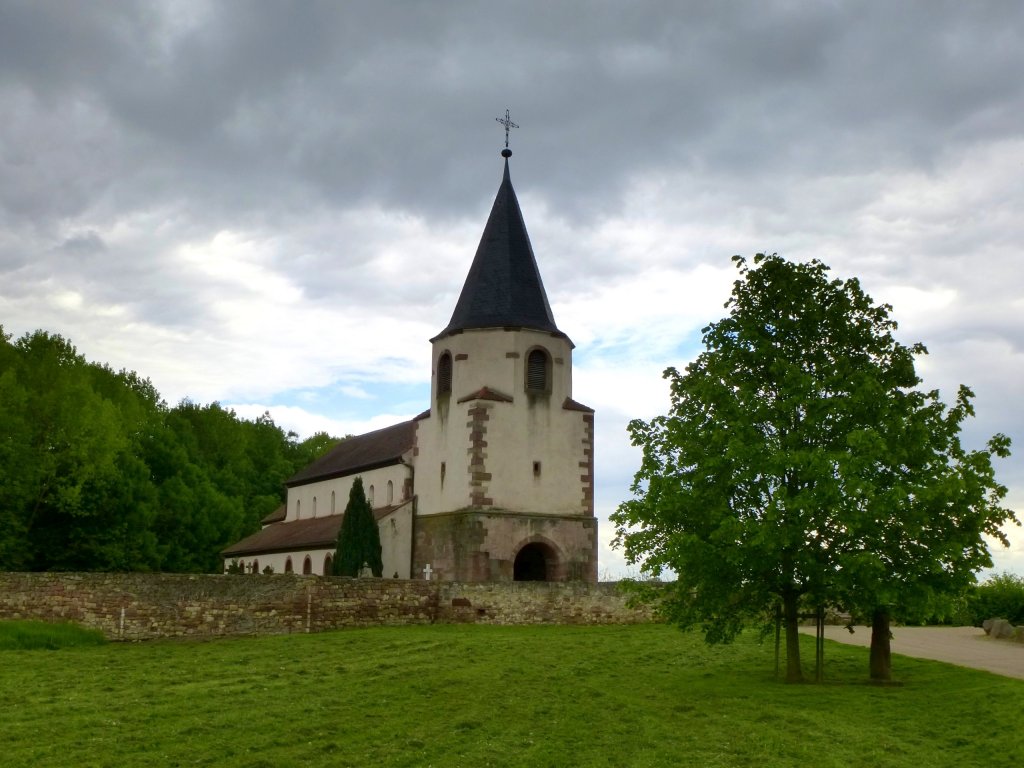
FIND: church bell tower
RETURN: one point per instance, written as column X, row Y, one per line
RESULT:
column 505, row 457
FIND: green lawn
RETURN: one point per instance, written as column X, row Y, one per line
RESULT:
column 33, row 635
column 491, row 696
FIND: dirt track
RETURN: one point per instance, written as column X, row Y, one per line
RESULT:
column 963, row 646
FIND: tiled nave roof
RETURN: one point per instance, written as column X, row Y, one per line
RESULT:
column 298, row 535
column 362, row 452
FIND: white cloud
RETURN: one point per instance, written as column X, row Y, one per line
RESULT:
column 304, row 423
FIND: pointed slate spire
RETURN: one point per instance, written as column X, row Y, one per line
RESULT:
column 503, row 288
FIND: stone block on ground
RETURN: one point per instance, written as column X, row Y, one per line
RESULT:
column 1001, row 628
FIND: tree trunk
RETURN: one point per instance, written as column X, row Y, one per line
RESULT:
column 880, row 662
column 789, row 610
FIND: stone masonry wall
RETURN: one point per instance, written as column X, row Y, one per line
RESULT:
column 149, row 606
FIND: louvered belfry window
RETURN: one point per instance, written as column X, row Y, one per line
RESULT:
column 537, row 371
column 444, row 374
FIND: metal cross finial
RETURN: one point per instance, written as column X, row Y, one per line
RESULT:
column 507, row 122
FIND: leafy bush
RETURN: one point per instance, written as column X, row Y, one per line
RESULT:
column 1001, row 596
column 40, row 635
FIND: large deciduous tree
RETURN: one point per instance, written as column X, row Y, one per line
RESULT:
column 799, row 465
column 359, row 537
column 96, row 473
column 918, row 537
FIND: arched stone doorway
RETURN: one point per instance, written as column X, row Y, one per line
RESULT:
column 534, row 562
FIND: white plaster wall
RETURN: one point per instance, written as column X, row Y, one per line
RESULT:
column 488, row 365
column 531, row 428
column 395, row 529
column 541, row 432
column 278, row 560
column 321, row 490
column 442, row 438
column 396, row 542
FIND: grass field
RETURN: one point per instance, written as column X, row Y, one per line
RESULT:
column 37, row 635
column 492, row 696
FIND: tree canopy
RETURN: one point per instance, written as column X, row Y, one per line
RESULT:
column 359, row 537
column 98, row 473
column 799, row 465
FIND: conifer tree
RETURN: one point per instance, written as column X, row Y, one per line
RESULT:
column 358, row 539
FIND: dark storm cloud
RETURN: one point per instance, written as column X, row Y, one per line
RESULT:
column 248, row 117
column 283, row 104
column 84, row 243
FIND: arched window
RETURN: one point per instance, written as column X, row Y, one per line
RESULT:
column 314, row 506
column 332, row 503
column 307, row 566
column 444, row 374
column 288, row 565
column 369, row 495
column 538, row 371
column 391, row 492
column 256, row 566
column 328, row 562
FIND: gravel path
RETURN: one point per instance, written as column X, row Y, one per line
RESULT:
column 963, row 646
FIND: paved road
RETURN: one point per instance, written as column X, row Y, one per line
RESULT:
column 963, row 646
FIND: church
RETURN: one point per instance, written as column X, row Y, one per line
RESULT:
column 495, row 480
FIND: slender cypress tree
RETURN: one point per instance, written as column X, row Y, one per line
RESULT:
column 358, row 539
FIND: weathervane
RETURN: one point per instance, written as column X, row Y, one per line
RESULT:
column 507, row 122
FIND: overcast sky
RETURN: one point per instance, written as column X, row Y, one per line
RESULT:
column 274, row 205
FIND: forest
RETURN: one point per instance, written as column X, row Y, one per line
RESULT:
column 97, row 473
